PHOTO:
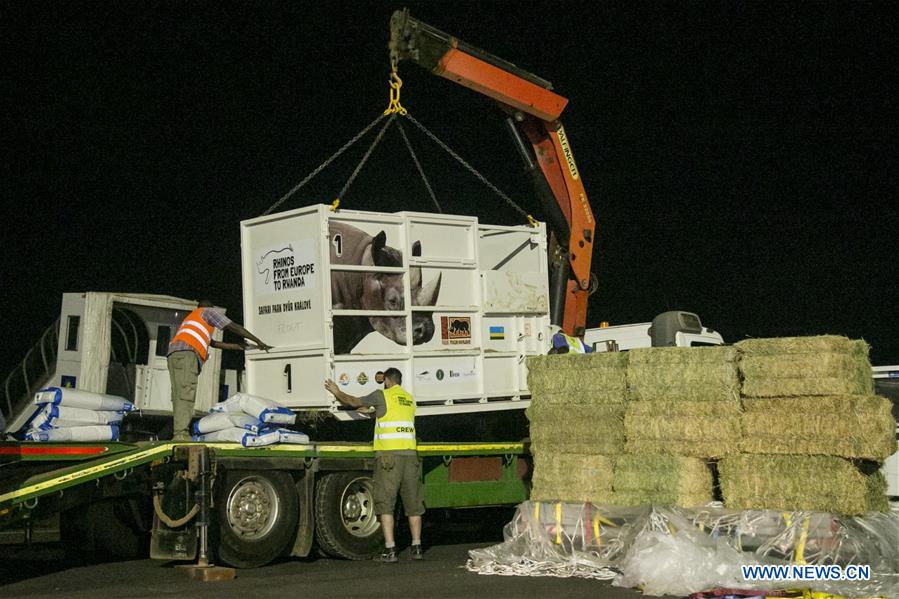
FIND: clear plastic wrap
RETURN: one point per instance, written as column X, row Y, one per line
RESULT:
column 561, row 539
column 678, row 551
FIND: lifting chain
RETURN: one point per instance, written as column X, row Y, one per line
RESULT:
column 324, row 165
column 531, row 220
column 421, row 171
column 394, row 108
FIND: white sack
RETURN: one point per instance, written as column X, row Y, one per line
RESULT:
column 76, row 398
column 109, row 432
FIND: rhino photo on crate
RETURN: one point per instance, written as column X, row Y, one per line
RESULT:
column 375, row 291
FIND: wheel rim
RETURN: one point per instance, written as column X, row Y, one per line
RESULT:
column 253, row 508
column 357, row 508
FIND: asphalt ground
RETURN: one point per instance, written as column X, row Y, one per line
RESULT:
column 43, row 571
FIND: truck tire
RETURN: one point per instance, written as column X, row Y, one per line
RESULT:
column 257, row 514
column 345, row 522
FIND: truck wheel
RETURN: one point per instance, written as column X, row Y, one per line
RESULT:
column 257, row 516
column 345, row 522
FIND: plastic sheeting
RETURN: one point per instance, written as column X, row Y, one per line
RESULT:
column 265, row 410
column 677, row 551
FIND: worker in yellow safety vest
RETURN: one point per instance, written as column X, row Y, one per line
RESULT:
column 397, row 465
column 563, row 344
column 188, row 351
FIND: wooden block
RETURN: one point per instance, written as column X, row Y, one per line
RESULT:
column 207, row 573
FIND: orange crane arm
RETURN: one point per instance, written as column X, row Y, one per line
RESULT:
column 534, row 110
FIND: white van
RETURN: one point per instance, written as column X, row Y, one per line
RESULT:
column 675, row 328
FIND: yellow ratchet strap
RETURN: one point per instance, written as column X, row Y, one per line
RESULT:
column 335, row 205
column 800, row 546
column 558, row 523
column 394, row 107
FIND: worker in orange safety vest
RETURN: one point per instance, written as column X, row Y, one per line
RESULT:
column 187, row 353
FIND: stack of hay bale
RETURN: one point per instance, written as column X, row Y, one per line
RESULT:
column 683, row 408
column 576, row 424
column 661, row 480
column 810, row 418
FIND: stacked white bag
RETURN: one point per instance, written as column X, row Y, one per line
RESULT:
column 249, row 420
column 64, row 414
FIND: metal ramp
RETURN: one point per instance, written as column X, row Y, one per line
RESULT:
column 30, row 375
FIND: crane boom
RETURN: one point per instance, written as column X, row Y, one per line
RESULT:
column 533, row 110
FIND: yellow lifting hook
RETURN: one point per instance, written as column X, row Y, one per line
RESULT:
column 394, row 107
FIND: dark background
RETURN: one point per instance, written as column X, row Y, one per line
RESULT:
column 740, row 157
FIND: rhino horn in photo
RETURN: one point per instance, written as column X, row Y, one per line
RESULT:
column 427, row 295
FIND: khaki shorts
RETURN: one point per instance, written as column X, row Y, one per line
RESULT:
column 398, row 474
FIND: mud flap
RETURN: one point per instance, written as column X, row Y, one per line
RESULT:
column 302, row 544
column 168, row 544
column 180, row 543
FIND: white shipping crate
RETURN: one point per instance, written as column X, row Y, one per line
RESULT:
column 456, row 306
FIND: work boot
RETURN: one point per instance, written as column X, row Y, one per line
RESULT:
column 181, row 436
column 388, row 556
column 416, row 553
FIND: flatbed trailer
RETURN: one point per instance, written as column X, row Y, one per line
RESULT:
column 264, row 502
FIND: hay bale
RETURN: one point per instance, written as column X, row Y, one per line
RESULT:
column 876, row 492
column 572, row 477
column 795, row 366
column 587, row 397
column 683, row 373
column 778, row 346
column 661, row 480
column 851, row 426
column 702, row 429
column 573, row 374
column 610, row 360
column 790, row 482
column 577, row 428
column 596, row 381
column 798, row 366
column 786, row 387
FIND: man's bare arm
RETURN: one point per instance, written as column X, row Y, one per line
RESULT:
column 226, row 345
column 344, row 398
column 240, row 330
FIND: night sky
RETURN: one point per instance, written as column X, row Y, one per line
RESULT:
column 740, row 157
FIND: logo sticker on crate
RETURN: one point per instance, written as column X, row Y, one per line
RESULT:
column 455, row 330
column 497, row 333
